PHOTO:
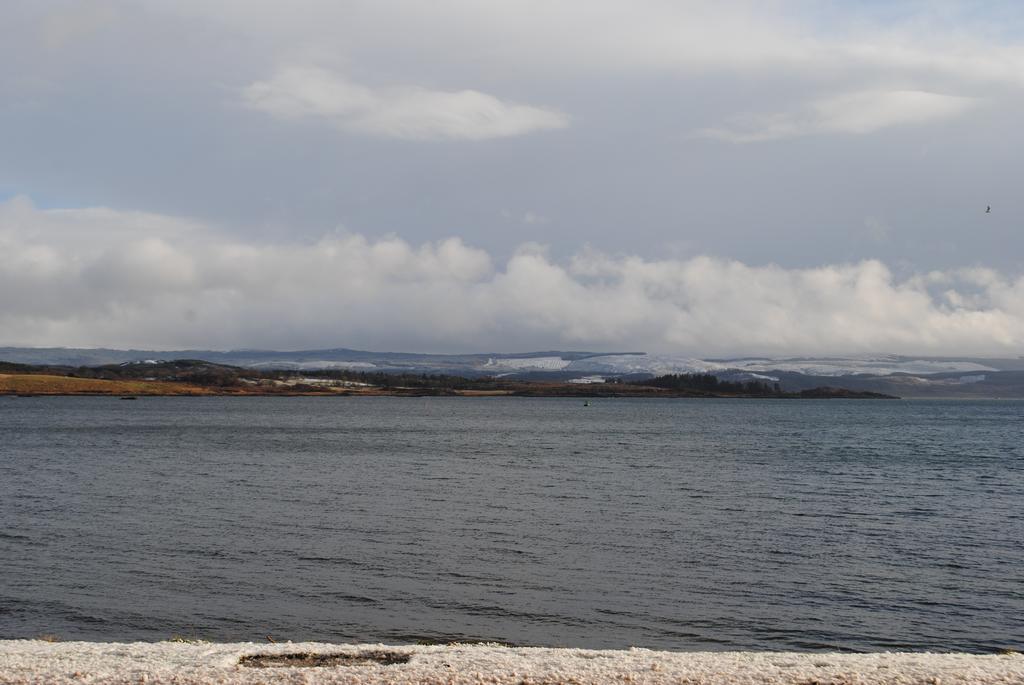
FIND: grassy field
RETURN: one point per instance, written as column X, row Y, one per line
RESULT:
column 39, row 384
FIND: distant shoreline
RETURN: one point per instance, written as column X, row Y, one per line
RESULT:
column 29, row 385
column 193, row 377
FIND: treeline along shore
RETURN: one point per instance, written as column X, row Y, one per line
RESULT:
column 190, row 377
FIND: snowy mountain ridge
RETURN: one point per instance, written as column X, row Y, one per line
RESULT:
column 561, row 362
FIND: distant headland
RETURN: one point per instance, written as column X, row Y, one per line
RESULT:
column 193, row 377
column 607, row 373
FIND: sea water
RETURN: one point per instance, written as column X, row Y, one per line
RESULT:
column 671, row 524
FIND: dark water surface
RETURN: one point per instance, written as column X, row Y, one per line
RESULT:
column 675, row 524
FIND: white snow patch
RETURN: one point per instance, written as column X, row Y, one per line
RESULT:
column 30, row 661
column 312, row 365
column 326, row 383
column 761, row 376
column 879, row 366
column 659, row 365
column 528, row 363
column 665, row 364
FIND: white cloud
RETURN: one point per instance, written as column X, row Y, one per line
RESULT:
column 534, row 219
column 848, row 113
column 601, row 35
column 103, row 277
column 405, row 112
column 877, row 231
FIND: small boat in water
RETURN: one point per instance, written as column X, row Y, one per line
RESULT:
column 129, row 398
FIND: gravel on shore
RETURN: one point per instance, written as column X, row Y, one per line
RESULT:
column 35, row 661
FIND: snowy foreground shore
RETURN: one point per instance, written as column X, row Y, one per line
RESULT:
column 31, row 661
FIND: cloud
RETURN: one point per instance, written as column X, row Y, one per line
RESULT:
column 100, row 277
column 876, row 230
column 849, row 113
column 404, row 112
column 949, row 39
column 198, row 122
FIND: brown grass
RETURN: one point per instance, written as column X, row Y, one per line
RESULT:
column 38, row 384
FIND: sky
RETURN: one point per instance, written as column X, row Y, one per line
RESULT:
column 680, row 177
